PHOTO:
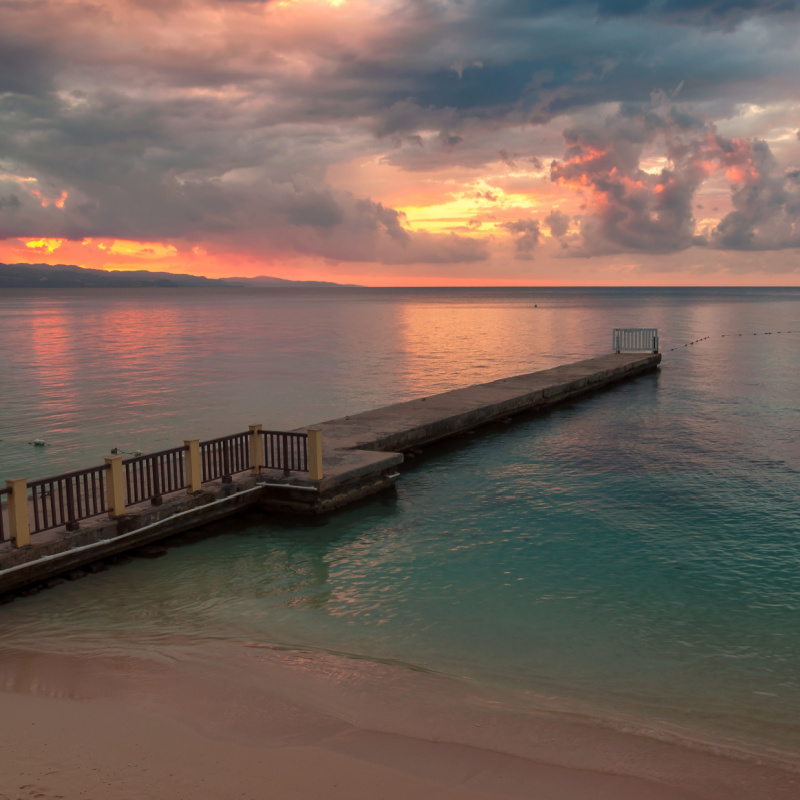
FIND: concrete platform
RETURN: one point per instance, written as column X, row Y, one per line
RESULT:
column 428, row 419
column 361, row 454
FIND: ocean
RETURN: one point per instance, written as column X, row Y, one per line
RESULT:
column 631, row 558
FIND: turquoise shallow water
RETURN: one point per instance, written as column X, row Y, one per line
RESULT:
column 636, row 552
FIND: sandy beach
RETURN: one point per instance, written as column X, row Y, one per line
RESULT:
column 399, row 400
column 257, row 722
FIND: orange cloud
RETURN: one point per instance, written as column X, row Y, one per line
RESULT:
column 43, row 245
column 46, row 201
column 146, row 250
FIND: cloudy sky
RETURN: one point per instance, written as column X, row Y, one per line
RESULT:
column 401, row 142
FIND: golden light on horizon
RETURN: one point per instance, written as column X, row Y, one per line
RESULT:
column 43, row 245
column 148, row 250
column 474, row 211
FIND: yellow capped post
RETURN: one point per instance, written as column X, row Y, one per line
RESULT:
column 19, row 521
column 256, row 450
column 315, row 454
column 194, row 469
column 115, row 485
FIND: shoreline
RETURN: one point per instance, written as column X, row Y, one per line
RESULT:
column 255, row 713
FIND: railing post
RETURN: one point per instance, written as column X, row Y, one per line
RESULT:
column 115, row 484
column 155, row 465
column 19, row 522
column 193, row 468
column 256, row 450
column 70, row 522
column 285, row 450
column 227, row 469
column 315, row 454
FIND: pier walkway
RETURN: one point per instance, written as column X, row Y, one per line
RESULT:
column 360, row 455
column 372, row 443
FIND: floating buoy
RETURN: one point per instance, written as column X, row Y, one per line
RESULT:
column 115, row 451
column 38, row 443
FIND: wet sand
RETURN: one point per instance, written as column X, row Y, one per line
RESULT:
column 222, row 721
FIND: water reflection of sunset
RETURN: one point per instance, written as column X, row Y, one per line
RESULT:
column 50, row 340
column 88, row 370
column 450, row 344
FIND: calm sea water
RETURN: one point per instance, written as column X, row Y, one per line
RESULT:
column 635, row 552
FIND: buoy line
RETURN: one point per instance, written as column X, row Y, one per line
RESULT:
column 729, row 335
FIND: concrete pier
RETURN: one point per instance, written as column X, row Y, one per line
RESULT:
column 360, row 456
column 372, row 443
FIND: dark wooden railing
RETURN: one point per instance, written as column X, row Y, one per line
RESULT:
column 3, row 503
column 225, row 457
column 67, row 499
column 286, row 451
column 151, row 476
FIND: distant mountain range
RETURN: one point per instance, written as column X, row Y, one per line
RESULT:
column 68, row 276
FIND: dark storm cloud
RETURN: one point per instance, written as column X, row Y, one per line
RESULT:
column 527, row 236
column 633, row 210
column 25, row 67
column 483, row 65
column 468, row 61
column 558, row 222
column 723, row 10
column 507, row 159
column 9, row 202
column 187, row 136
column 703, row 11
column 766, row 201
column 135, row 169
column 135, row 172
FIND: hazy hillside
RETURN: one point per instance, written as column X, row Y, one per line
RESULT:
column 68, row 276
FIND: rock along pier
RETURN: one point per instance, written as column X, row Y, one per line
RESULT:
column 356, row 456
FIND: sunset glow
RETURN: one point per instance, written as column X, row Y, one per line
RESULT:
column 391, row 143
column 44, row 245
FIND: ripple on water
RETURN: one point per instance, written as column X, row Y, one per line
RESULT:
column 636, row 552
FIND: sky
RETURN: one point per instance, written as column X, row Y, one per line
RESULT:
column 405, row 142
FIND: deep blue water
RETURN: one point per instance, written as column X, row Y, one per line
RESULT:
column 635, row 552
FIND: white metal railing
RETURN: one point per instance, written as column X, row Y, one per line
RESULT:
column 634, row 339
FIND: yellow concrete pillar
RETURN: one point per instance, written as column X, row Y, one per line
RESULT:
column 19, row 521
column 256, row 450
column 315, row 454
column 115, row 486
column 193, row 467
